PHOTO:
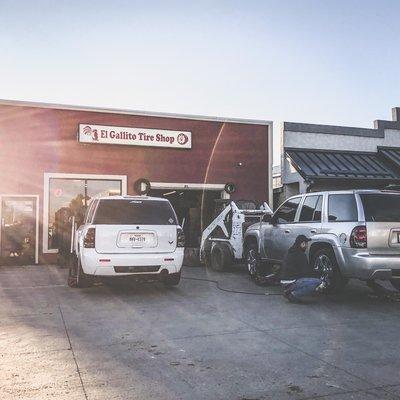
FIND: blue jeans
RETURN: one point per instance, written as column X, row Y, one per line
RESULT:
column 303, row 287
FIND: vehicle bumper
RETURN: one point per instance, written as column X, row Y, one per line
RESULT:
column 365, row 266
column 97, row 264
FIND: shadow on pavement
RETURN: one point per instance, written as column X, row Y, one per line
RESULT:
column 194, row 341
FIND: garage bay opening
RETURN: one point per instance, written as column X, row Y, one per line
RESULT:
column 195, row 210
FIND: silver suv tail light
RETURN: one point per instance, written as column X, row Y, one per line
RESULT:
column 358, row 237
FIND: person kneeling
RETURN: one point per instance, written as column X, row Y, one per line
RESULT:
column 297, row 276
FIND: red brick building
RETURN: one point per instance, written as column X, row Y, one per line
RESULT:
column 53, row 155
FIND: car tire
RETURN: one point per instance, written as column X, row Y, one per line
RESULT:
column 173, row 279
column 76, row 277
column 253, row 262
column 221, row 257
column 326, row 256
column 395, row 283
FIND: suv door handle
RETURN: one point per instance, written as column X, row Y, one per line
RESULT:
column 313, row 231
column 287, row 230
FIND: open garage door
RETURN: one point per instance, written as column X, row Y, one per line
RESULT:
column 195, row 210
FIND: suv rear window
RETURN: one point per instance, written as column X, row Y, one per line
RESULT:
column 381, row 207
column 134, row 212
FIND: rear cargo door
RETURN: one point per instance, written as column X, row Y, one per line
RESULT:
column 135, row 226
column 138, row 239
column 382, row 216
column 383, row 237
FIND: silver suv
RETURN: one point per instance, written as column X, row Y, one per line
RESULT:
column 355, row 234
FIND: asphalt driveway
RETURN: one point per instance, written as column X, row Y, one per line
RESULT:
column 194, row 341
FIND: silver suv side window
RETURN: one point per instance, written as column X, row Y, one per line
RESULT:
column 311, row 210
column 287, row 211
column 342, row 208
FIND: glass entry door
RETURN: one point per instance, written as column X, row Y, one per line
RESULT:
column 18, row 230
column 69, row 197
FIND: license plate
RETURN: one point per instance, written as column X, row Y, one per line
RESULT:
column 137, row 239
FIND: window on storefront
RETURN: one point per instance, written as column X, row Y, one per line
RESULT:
column 69, row 197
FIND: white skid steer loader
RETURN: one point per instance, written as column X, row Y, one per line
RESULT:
column 222, row 241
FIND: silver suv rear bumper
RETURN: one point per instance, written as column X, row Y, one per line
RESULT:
column 363, row 265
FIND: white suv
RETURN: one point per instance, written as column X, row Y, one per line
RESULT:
column 128, row 236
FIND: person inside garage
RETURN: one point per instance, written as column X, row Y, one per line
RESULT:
column 297, row 276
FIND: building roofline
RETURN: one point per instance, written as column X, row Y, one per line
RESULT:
column 388, row 147
column 20, row 103
column 331, row 129
column 301, row 149
column 130, row 197
column 378, row 131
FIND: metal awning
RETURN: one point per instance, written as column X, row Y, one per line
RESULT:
column 349, row 165
column 391, row 153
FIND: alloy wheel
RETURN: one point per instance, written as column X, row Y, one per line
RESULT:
column 323, row 265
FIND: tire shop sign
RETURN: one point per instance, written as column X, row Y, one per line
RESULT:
column 102, row 134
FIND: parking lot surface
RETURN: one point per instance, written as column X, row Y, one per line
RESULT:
column 194, row 341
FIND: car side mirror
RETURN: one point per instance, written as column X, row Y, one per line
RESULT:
column 267, row 218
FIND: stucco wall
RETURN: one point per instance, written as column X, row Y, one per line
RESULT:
column 326, row 141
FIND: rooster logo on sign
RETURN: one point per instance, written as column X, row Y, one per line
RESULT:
column 87, row 130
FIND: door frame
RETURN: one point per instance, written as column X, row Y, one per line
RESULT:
column 217, row 187
column 36, row 197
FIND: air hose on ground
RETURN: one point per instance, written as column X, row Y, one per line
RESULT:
column 231, row 290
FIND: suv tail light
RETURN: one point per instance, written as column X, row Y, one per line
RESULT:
column 89, row 240
column 358, row 237
column 180, row 238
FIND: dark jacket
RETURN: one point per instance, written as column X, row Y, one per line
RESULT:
column 295, row 265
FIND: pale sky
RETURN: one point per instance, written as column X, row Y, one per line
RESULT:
column 333, row 62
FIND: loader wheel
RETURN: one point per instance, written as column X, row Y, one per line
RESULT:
column 207, row 260
column 207, row 254
column 253, row 262
column 221, row 257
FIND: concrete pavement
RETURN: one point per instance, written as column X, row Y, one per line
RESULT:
column 193, row 342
